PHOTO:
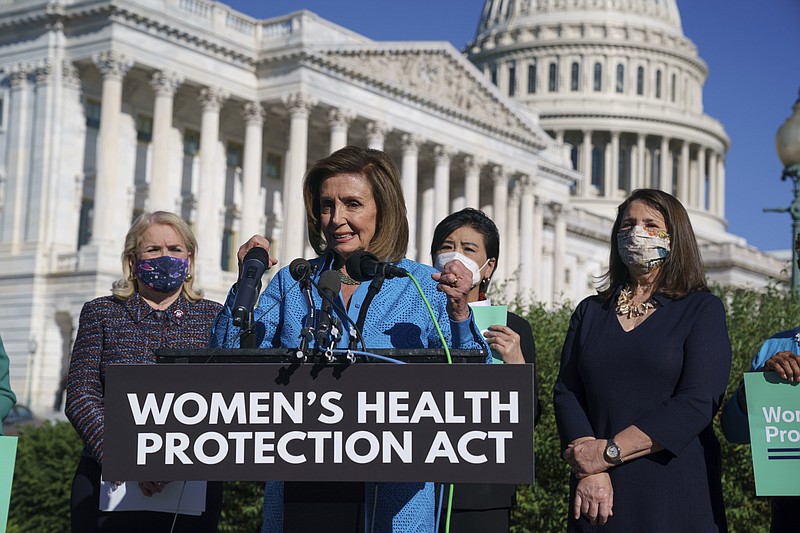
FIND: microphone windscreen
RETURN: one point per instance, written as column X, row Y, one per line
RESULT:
column 258, row 253
column 299, row 268
column 330, row 280
column 361, row 265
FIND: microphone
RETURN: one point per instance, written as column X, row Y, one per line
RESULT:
column 363, row 266
column 300, row 269
column 255, row 264
column 329, row 286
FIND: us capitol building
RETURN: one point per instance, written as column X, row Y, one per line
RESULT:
column 547, row 120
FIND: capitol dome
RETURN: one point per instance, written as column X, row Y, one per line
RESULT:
column 619, row 83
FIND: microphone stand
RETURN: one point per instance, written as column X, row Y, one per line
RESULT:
column 327, row 333
column 307, row 332
column 372, row 290
column 247, row 338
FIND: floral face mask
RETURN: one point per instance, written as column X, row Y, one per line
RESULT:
column 643, row 249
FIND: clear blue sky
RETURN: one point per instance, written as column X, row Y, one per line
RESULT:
column 751, row 47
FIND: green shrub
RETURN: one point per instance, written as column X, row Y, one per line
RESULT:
column 46, row 461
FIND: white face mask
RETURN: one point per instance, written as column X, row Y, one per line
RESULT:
column 445, row 257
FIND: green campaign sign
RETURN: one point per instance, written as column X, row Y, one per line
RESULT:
column 8, row 454
column 773, row 409
column 490, row 315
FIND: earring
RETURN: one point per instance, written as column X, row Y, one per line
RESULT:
column 131, row 276
column 188, row 277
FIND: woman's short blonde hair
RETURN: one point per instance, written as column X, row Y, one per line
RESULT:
column 128, row 285
column 390, row 240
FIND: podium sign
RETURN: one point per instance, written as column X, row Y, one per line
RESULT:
column 362, row 422
column 773, row 410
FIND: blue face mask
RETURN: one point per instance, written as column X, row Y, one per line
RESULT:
column 162, row 274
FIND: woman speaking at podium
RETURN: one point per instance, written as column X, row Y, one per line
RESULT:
column 154, row 306
column 354, row 202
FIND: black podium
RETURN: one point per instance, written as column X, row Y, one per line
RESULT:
column 324, row 429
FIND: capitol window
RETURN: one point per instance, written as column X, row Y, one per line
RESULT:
column 191, row 141
column 552, row 83
column 620, row 78
column 144, row 128
column 512, row 79
column 640, row 81
column 574, row 83
column 658, row 84
column 272, row 168
column 598, row 77
column 532, row 79
column 92, row 110
column 673, row 83
column 233, row 154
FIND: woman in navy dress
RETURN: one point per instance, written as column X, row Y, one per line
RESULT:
column 643, row 370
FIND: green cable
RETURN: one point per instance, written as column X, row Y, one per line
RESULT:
column 433, row 316
column 449, row 362
column 449, row 509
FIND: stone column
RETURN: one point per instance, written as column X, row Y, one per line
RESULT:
column 472, row 181
column 42, row 144
column 700, row 195
column 586, row 162
column 441, row 183
column 537, row 236
column 559, row 249
column 641, row 156
column 300, row 105
column 165, row 185
column 720, row 186
column 19, row 118
column 109, row 194
column 339, row 122
column 512, row 241
column 410, row 146
column 252, row 207
column 499, row 203
column 612, row 179
column 426, row 220
column 376, row 134
column 606, row 166
column 664, row 177
column 66, row 166
column 712, row 182
column 683, row 175
column 527, row 242
column 211, row 187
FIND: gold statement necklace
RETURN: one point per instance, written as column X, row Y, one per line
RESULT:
column 347, row 280
column 627, row 307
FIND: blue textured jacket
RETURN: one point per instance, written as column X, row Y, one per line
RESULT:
column 397, row 318
column 733, row 420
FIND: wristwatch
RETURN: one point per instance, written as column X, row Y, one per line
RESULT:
column 612, row 453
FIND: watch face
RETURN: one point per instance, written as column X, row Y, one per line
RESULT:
column 613, row 452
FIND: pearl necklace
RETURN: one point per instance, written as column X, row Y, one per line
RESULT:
column 627, row 307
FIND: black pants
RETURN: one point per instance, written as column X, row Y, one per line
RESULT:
column 86, row 517
column 784, row 514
